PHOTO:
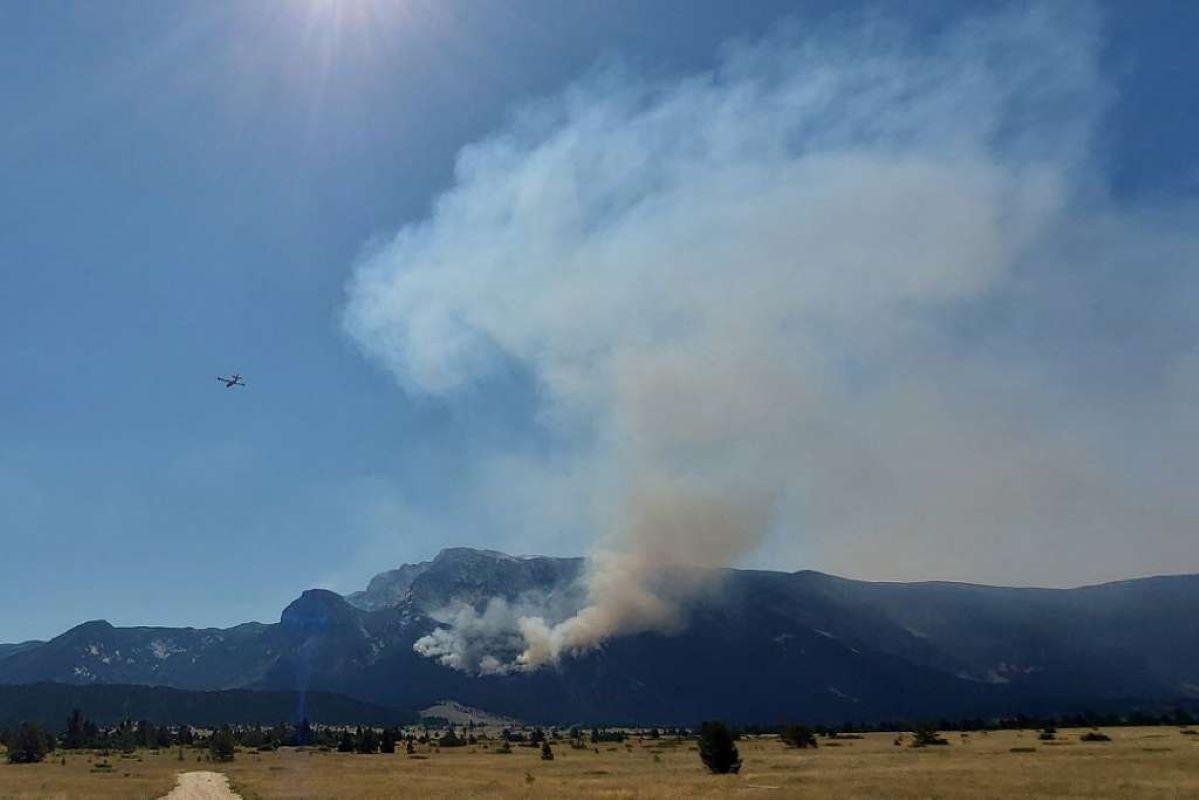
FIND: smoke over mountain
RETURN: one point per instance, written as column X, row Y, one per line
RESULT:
column 791, row 297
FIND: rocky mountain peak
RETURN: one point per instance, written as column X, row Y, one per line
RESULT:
column 94, row 627
column 468, row 575
column 316, row 610
column 459, row 555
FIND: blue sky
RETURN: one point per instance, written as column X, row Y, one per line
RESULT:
column 186, row 190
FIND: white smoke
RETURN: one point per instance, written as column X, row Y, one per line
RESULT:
column 750, row 301
column 473, row 639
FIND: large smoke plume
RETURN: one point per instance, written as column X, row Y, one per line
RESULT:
column 784, row 295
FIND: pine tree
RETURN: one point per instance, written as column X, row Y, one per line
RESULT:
column 76, row 737
column 162, row 737
column 716, row 748
column 125, row 737
column 304, row 733
column 145, row 734
column 547, row 754
column 221, row 745
column 367, row 741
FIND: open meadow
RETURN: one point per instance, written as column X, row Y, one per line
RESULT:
column 1153, row 762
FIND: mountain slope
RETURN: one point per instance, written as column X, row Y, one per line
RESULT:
column 759, row 646
column 189, row 658
column 10, row 649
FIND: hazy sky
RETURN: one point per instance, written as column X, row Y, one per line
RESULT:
column 188, row 189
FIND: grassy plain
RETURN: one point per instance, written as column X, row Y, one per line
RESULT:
column 1137, row 763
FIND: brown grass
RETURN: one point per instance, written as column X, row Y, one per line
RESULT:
column 1137, row 763
column 144, row 775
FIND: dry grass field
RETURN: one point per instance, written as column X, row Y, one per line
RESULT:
column 1137, row 763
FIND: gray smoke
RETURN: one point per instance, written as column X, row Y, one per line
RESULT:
column 755, row 300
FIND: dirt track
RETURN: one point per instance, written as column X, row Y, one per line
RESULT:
column 202, row 786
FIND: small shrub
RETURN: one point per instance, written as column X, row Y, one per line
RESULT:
column 1095, row 736
column 800, row 736
column 927, row 736
column 547, row 753
column 716, row 749
column 28, row 745
column 451, row 739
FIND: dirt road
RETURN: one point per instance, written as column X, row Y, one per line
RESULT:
column 202, row 786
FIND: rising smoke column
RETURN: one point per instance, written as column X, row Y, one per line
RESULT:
column 739, row 294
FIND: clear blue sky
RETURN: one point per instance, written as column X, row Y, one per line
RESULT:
column 185, row 189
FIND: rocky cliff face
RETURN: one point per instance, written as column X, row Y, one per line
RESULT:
column 461, row 574
column 763, row 646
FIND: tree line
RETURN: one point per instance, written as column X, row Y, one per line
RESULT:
column 1084, row 719
column 30, row 742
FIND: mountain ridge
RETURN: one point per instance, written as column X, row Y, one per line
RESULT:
column 804, row 643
